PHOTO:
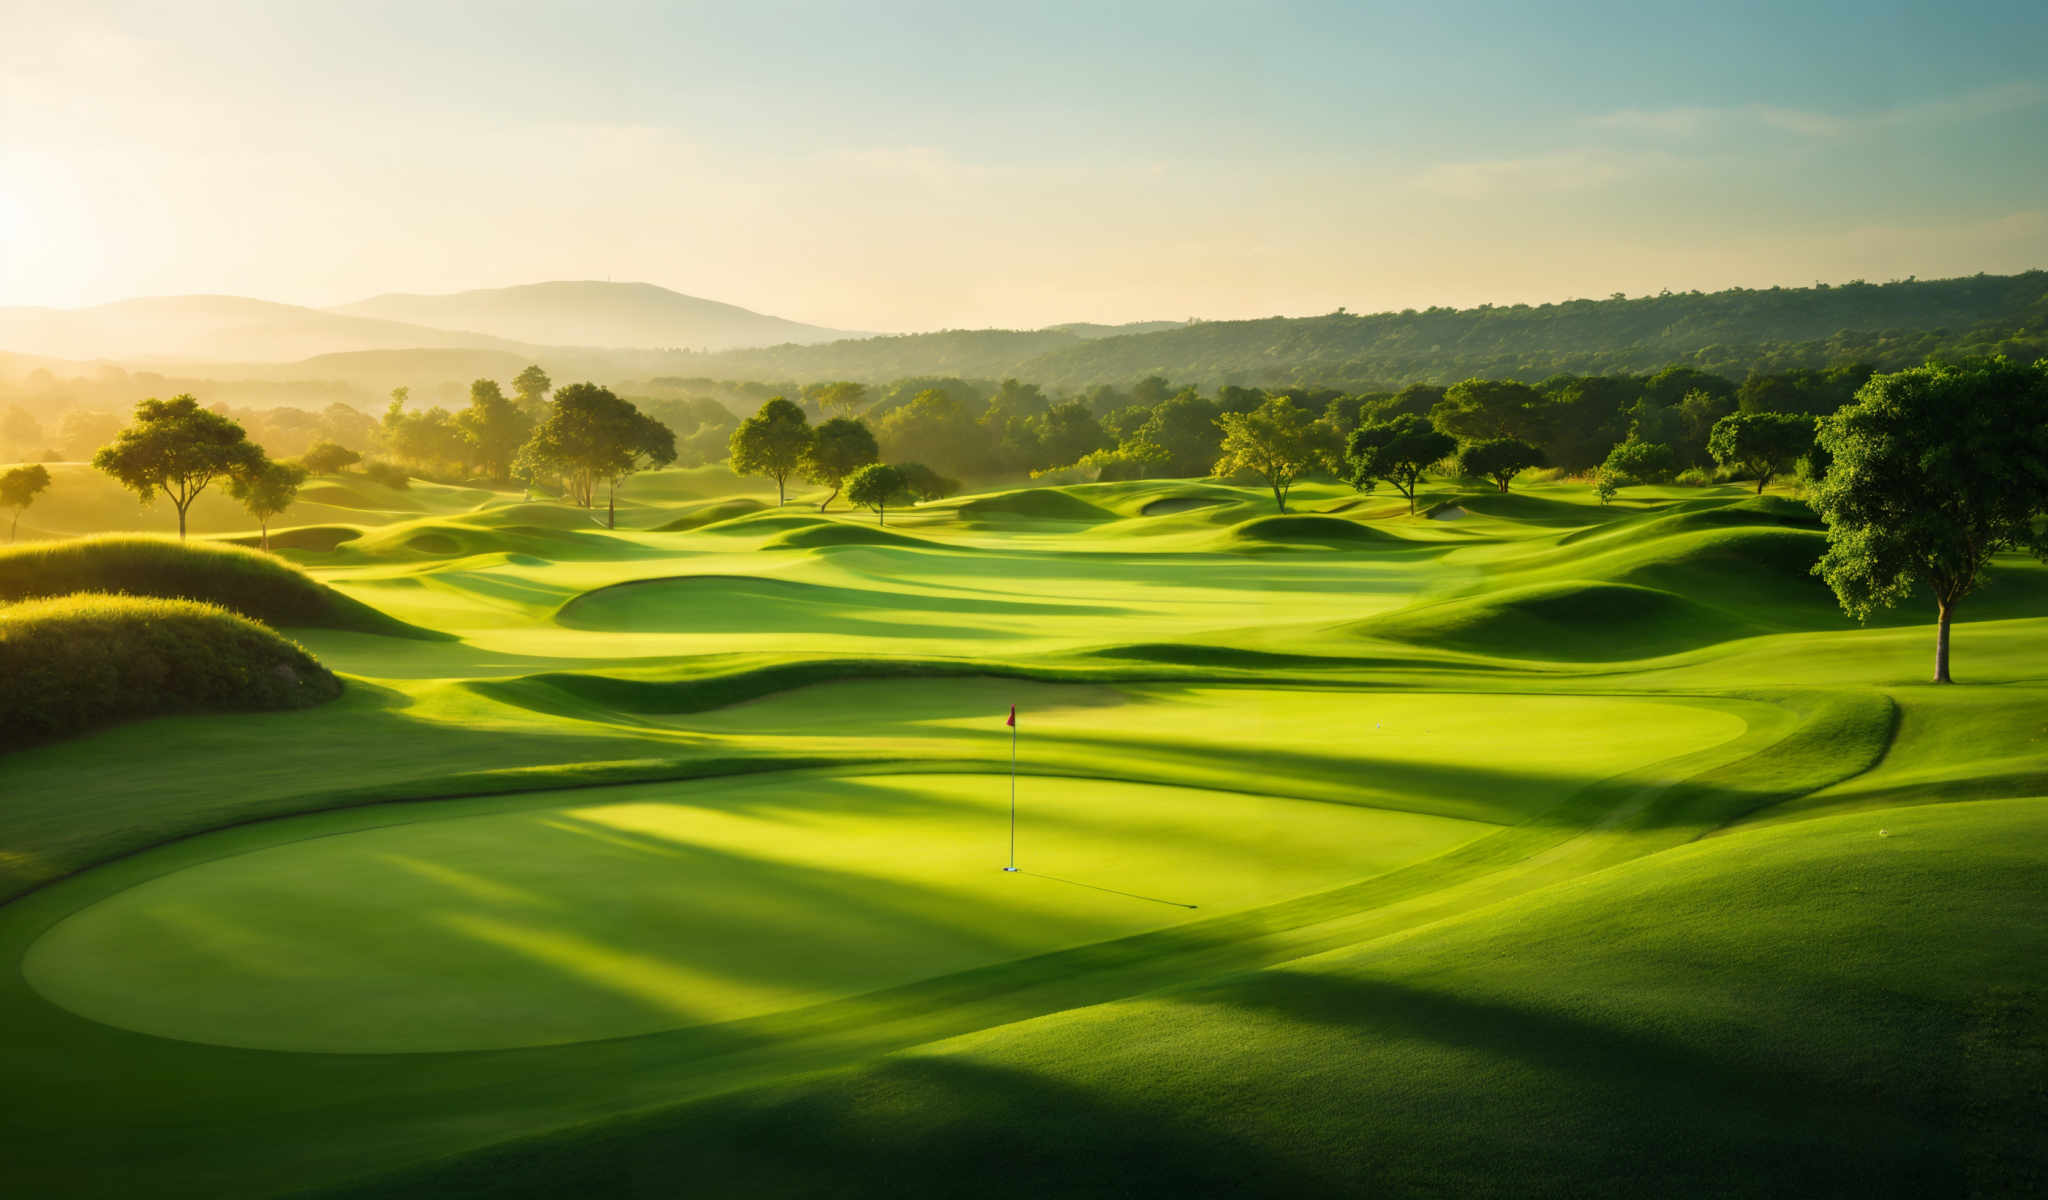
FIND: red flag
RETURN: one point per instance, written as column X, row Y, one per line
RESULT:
column 1012, row 722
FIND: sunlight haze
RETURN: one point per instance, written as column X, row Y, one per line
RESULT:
column 920, row 166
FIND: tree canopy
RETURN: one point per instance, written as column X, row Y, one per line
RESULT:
column 877, row 486
column 1761, row 444
column 1488, row 409
column 1935, row 469
column 19, row 487
column 328, row 458
column 837, row 449
column 531, row 386
column 266, row 490
column 1499, row 459
column 590, row 435
column 176, row 448
column 494, row 427
column 1398, row 451
column 1277, row 442
column 772, row 442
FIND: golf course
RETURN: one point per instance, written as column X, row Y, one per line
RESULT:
column 1527, row 843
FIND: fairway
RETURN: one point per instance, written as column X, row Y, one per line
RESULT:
column 655, row 836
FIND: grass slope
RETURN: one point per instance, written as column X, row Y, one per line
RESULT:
column 1532, row 850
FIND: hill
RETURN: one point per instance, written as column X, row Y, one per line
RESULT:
column 215, row 328
column 1730, row 333
column 594, row 313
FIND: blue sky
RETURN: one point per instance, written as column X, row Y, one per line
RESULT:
column 899, row 166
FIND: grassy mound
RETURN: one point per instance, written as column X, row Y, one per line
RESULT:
column 77, row 662
column 248, row 582
column 698, row 516
column 1577, row 621
column 1036, row 504
column 317, row 538
column 811, row 537
column 1329, row 533
column 1167, row 506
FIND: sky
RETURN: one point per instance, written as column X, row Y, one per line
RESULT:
column 896, row 166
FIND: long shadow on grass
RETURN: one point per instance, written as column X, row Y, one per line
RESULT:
column 938, row 1127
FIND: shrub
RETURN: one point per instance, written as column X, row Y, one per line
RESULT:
column 389, row 474
column 78, row 662
column 1695, row 477
column 241, row 580
column 327, row 458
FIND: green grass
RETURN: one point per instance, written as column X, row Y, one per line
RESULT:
column 78, row 662
column 1533, row 846
column 245, row 581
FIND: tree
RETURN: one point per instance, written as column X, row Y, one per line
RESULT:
column 1398, row 451
column 19, row 487
column 531, row 386
column 1183, row 425
column 843, row 397
column 840, row 447
column 1935, row 469
column 1278, row 442
column 876, row 486
column 493, row 427
column 1485, row 409
column 267, row 489
column 1068, row 431
column 922, row 483
column 592, row 436
column 1763, row 444
column 177, row 448
column 1499, row 459
column 771, row 442
column 326, row 458
column 1633, row 462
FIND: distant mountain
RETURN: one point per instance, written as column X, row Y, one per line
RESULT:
column 1088, row 329
column 216, row 328
column 591, row 313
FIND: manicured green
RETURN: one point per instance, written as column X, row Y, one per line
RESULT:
column 1534, row 844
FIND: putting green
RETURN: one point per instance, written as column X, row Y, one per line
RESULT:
column 554, row 920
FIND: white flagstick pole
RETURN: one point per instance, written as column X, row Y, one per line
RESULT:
column 1013, row 790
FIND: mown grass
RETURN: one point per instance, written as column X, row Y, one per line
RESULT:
column 245, row 581
column 79, row 662
column 1674, row 958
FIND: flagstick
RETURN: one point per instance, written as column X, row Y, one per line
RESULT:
column 1013, row 791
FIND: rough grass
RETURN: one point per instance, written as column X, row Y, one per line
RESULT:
column 78, row 662
column 249, row 582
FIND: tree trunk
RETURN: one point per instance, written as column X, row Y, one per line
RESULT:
column 882, row 514
column 16, row 525
column 611, row 505
column 1279, row 498
column 1941, row 675
column 264, row 525
column 1504, row 483
column 181, row 522
column 829, row 499
column 1761, row 480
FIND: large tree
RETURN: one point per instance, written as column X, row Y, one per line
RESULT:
column 1633, row 462
column 1483, row 409
column 590, row 437
column 327, row 458
column 844, row 396
column 531, row 387
column 267, row 489
column 1278, row 442
column 837, row 449
column 1762, row 444
column 176, row 448
column 494, row 427
column 772, row 443
column 878, row 485
column 1398, row 451
column 1499, row 459
column 19, row 487
column 1935, row 469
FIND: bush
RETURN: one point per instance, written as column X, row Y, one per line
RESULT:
column 78, row 662
column 389, row 474
column 256, row 585
column 1695, row 477
column 327, row 458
